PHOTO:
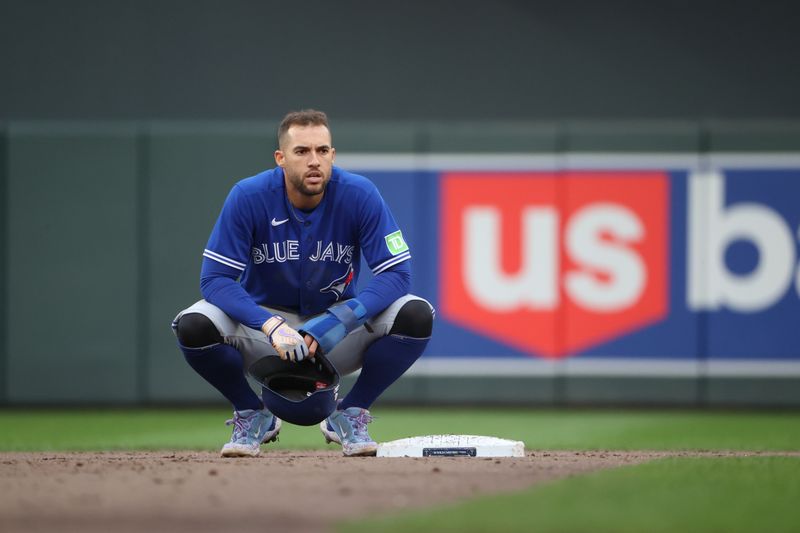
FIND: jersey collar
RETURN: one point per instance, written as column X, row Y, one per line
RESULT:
column 296, row 215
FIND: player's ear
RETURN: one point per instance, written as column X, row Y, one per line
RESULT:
column 279, row 158
column 333, row 154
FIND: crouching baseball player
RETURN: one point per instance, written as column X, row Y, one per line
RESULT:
column 278, row 280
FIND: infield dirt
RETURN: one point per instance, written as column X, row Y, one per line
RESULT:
column 277, row 491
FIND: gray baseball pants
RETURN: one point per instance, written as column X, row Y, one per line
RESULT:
column 253, row 344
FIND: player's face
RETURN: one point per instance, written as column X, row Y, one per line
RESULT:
column 306, row 156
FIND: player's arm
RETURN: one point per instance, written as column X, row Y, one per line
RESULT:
column 224, row 260
column 388, row 257
column 220, row 287
column 385, row 288
column 327, row 330
column 386, row 253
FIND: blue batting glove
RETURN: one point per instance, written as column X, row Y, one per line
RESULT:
column 331, row 327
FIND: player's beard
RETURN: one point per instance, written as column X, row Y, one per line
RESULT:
column 300, row 185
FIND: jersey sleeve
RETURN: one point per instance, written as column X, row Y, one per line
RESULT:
column 382, row 290
column 224, row 259
column 231, row 238
column 382, row 242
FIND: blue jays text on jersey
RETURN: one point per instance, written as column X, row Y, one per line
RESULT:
column 290, row 251
column 304, row 261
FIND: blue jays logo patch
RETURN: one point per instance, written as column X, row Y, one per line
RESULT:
column 339, row 285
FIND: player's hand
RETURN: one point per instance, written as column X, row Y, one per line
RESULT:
column 329, row 328
column 312, row 344
column 286, row 341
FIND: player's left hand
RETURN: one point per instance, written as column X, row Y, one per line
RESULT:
column 329, row 328
column 312, row 344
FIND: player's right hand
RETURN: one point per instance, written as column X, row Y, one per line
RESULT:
column 286, row 341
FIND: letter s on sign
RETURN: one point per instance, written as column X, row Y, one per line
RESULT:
column 623, row 269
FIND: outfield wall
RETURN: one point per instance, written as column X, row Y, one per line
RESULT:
column 576, row 263
column 531, row 60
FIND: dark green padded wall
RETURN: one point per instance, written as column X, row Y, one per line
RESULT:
column 375, row 136
column 191, row 170
column 491, row 136
column 510, row 59
column 72, row 262
column 3, row 257
column 753, row 136
column 631, row 136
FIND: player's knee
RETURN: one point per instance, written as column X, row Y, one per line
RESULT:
column 196, row 331
column 415, row 319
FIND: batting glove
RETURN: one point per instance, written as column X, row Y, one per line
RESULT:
column 287, row 342
column 332, row 326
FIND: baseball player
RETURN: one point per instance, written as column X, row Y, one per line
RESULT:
column 278, row 280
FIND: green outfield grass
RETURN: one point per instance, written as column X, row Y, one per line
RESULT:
column 730, row 494
column 204, row 429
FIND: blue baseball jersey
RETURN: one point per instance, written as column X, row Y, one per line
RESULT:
column 303, row 261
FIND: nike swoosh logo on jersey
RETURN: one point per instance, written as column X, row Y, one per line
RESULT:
column 279, row 222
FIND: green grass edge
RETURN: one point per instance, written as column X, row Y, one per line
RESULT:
column 733, row 494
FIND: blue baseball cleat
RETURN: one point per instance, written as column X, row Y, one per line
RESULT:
column 349, row 428
column 250, row 429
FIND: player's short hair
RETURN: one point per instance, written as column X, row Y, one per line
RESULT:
column 304, row 117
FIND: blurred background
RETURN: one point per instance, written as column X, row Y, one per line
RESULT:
column 600, row 197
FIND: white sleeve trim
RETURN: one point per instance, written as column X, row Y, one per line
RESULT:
column 227, row 261
column 405, row 256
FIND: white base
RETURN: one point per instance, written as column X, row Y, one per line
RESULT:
column 452, row 446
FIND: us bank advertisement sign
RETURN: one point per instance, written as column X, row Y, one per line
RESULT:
column 613, row 263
